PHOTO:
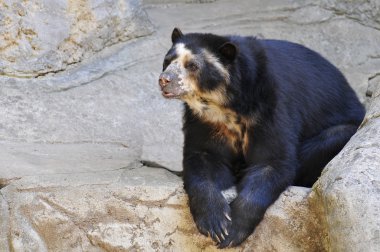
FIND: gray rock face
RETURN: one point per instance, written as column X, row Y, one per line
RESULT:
column 176, row 1
column 34, row 159
column 44, row 36
column 366, row 12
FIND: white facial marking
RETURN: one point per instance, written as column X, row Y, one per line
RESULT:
column 182, row 53
column 212, row 59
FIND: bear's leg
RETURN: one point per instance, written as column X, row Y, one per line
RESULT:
column 317, row 151
column 205, row 177
column 257, row 190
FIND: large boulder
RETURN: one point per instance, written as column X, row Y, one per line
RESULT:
column 349, row 188
column 45, row 36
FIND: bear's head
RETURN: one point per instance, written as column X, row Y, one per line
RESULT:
column 197, row 67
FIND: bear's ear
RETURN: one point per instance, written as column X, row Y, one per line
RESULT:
column 176, row 34
column 228, row 50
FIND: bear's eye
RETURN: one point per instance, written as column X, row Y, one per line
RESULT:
column 191, row 66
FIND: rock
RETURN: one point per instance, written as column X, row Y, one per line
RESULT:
column 19, row 159
column 4, row 224
column 366, row 12
column 349, row 188
column 39, row 37
column 110, row 99
column 140, row 209
column 373, row 83
column 176, row 1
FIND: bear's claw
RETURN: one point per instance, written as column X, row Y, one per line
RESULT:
column 214, row 220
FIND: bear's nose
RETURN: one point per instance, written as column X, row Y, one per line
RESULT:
column 164, row 80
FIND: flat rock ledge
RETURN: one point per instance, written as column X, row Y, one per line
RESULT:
column 142, row 209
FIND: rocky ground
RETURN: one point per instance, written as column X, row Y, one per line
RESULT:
column 81, row 115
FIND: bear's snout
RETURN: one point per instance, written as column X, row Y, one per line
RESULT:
column 164, row 80
column 170, row 87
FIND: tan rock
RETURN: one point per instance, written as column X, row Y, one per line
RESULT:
column 141, row 209
column 349, row 188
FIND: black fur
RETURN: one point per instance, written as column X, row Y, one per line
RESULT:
column 305, row 112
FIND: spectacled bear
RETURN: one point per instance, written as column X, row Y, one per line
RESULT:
column 260, row 115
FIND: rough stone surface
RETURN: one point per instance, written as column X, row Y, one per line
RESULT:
column 142, row 209
column 111, row 99
column 366, row 12
column 42, row 36
column 34, row 159
column 349, row 188
column 176, row 1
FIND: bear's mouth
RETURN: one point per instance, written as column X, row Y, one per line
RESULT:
column 169, row 95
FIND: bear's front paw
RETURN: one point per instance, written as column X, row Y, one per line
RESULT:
column 213, row 218
column 245, row 218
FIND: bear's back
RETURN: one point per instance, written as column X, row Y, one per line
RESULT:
column 307, row 84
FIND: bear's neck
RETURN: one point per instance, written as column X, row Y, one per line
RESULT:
column 227, row 124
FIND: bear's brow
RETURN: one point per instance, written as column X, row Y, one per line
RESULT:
column 171, row 55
